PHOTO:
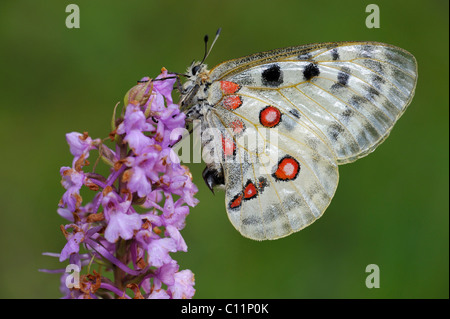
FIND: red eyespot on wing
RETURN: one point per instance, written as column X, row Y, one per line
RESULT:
column 232, row 102
column 236, row 201
column 228, row 87
column 228, row 146
column 250, row 190
column 287, row 169
column 237, row 126
column 270, row 116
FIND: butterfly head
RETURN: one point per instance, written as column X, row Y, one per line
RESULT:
column 197, row 70
column 197, row 76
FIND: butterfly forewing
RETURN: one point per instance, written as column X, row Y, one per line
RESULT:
column 352, row 92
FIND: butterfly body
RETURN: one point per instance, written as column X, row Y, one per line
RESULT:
column 305, row 110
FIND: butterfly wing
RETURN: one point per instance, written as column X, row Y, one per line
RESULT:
column 278, row 179
column 327, row 104
column 351, row 93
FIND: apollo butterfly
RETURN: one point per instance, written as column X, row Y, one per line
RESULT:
column 329, row 104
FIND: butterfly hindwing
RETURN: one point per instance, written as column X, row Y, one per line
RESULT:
column 281, row 175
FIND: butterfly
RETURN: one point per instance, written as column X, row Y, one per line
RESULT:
column 326, row 103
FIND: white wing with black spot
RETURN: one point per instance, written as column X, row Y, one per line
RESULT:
column 352, row 92
column 327, row 104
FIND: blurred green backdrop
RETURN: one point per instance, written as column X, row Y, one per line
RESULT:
column 390, row 209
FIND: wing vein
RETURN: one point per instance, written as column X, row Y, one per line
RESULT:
column 345, row 127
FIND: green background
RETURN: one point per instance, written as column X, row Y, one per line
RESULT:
column 390, row 209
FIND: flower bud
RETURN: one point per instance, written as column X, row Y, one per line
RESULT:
column 140, row 93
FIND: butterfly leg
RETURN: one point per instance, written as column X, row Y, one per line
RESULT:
column 179, row 85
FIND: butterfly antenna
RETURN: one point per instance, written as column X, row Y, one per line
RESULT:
column 205, row 39
column 207, row 52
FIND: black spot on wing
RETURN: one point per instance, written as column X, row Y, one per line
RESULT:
column 295, row 113
column 310, row 71
column 335, row 54
column 378, row 81
column 251, row 221
column 366, row 51
column 357, row 101
column 272, row 213
column 371, row 93
column 272, row 76
column 342, row 78
column 262, row 184
column 346, row 115
column 374, row 65
column 334, row 130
